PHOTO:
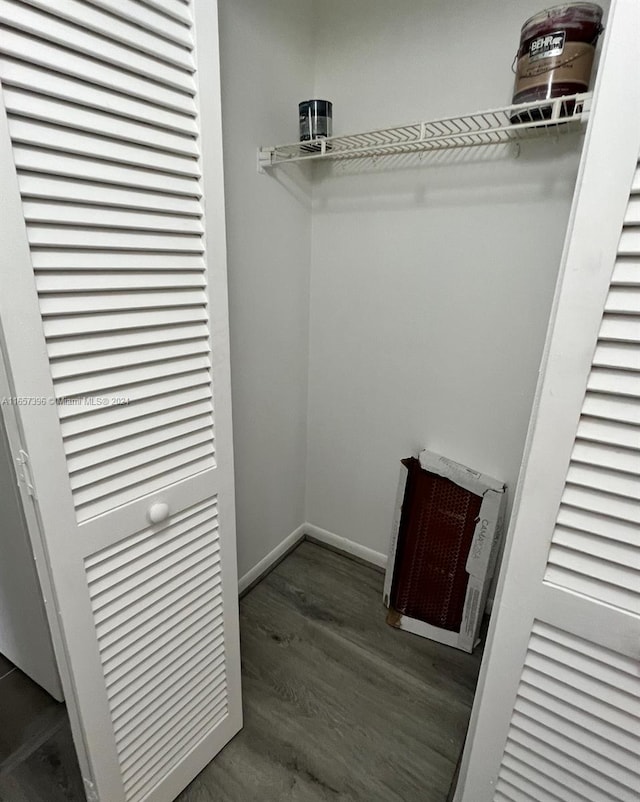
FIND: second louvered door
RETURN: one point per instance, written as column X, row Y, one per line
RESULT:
column 114, row 328
column 557, row 714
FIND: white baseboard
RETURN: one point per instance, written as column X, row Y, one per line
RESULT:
column 266, row 563
column 322, row 536
column 348, row 546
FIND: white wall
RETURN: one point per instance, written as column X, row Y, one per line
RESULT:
column 266, row 70
column 24, row 631
column 431, row 287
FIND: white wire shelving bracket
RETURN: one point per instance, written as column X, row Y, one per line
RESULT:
column 515, row 123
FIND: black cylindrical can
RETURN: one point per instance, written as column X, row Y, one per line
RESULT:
column 316, row 119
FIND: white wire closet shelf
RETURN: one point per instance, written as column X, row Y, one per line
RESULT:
column 541, row 118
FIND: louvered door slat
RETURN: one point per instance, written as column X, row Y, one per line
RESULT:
column 115, row 28
column 627, row 271
column 104, row 496
column 603, row 503
column 195, row 727
column 615, row 382
column 79, row 303
column 182, row 618
column 586, row 659
column 55, row 138
column 593, row 523
column 88, row 458
column 148, row 686
column 619, row 705
column 103, row 197
column 505, row 790
column 117, row 380
column 52, row 259
column 130, row 678
column 625, row 300
column 85, row 478
column 617, row 355
column 184, row 699
column 189, row 621
column 121, row 321
column 608, row 550
column 545, row 681
column 563, row 737
column 51, row 29
column 98, row 343
column 108, row 239
column 79, row 65
column 155, row 717
column 126, row 579
column 177, row 9
column 78, row 366
column 622, row 329
column 52, row 163
column 581, row 763
column 557, row 774
column 567, row 734
column 24, row 103
column 632, row 217
column 145, row 399
column 52, row 282
column 601, row 583
column 149, row 19
column 548, row 788
column 68, row 88
column 524, row 788
column 573, row 709
column 612, row 407
column 183, row 590
column 609, row 432
column 610, row 481
column 146, row 419
column 606, row 455
column 39, row 212
column 629, row 246
column 113, row 565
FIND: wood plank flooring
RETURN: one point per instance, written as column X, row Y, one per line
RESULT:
column 338, row 705
column 37, row 759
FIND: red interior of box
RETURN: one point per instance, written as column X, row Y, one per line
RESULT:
column 436, row 529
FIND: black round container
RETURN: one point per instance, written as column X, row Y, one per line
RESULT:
column 316, row 119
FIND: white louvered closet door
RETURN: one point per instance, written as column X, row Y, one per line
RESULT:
column 557, row 713
column 114, row 329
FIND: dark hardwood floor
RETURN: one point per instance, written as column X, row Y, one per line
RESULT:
column 338, row 705
column 37, row 759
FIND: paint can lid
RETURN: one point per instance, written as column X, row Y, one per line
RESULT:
column 566, row 13
column 322, row 108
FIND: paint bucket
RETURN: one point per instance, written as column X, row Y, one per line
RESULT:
column 556, row 52
column 316, row 119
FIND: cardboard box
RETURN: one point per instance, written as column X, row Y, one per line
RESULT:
column 480, row 562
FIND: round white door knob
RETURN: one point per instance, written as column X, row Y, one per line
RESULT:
column 158, row 512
